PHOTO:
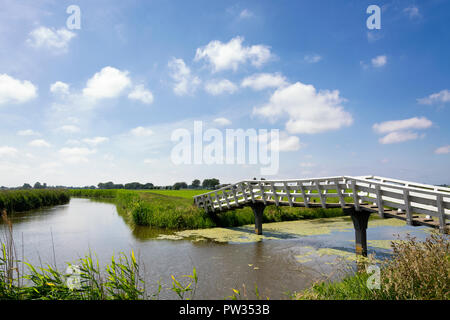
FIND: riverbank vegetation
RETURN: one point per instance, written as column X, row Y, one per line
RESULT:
column 173, row 209
column 23, row 200
column 416, row 271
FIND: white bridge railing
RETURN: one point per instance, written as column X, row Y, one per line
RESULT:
column 404, row 196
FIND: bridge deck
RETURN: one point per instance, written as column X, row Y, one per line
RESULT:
column 417, row 204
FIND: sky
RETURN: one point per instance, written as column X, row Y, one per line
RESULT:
column 97, row 97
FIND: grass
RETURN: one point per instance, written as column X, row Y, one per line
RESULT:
column 23, row 200
column 175, row 209
column 121, row 279
column 416, row 271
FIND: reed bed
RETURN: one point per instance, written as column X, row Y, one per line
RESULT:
column 416, row 271
column 24, row 200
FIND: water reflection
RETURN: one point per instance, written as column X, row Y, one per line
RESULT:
column 272, row 263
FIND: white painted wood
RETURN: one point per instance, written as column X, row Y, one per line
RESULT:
column 340, row 193
column 442, row 219
column 407, row 206
column 379, row 201
column 263, row 196
column 356, row 199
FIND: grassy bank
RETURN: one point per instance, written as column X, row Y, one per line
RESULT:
column 23, row 200
column 416, row 271
column 175, row 209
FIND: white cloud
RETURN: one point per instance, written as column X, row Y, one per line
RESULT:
column 285, row 143
column 75, row 155
column 442, row 96
column 307, row 164
column 69, row 129
column 7, row 151
column 261, row 81
column 141, row 132
column 396, row 125
column 245, row 14
column 40, row 143
column 60, row 88
column 185, row 82
column 27, row 132
column 223, row 56
column 140, row 93
column 379, row 61
column 443, row 150
column 216, row 87
column 412, row 12
column 222, row 121
column 15, row 91
column 398, row 136
column 58, row 40
column 312, row 58
column 308, row 111
column 95, row 141
column 149, row 161
column 107, row 83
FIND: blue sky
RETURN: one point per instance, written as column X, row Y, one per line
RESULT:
column 99, row 103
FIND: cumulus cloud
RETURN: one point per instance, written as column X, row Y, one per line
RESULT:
column 312, row 58
column 216, row 87
column 439, row 97
column 398, row 136
column 443, row 150
column 57, row 40
column 308, row 110
column 7, row 151
column 400, row 130
column 222, row 122
column 27, row 132
column 412, row 12
column 396, row 125
column 224, row 56
column 141, row 132
column 40, row 143
column 379, row 61
column 95, row 141
column 261, row 81
column 107, row 83
column 69, row 128
column 60, row 88
column 245, row 14
column 141, row 94
column 15, row 91
column 286, row 143
column 76, row 155
column 185, row 82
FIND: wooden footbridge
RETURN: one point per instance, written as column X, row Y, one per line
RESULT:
column 416, row 203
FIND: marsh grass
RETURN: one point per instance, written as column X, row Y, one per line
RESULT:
column 176, row 210
column 416, row 271
column 23, row 200
column 121, row 279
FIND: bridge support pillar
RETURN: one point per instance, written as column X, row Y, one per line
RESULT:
column 258, row 210
column 360, row 220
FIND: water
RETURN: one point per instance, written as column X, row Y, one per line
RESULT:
column 285, row 263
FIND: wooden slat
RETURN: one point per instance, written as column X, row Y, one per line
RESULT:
column 407, row 206
column 339, row 191
column 234, row 190
column 379, row 201
column 355, row 196
column 441, row 212
column 219, row 201
column 226, row 199
column 305, row 198
column 288, row 193
column 322, row 200
column 262, row 193
column 250, row 187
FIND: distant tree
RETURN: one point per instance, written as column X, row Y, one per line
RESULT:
column 148, row 186
column 210, row 183
column 180, row 185
column 37, row 185
column 27, row 186
column 110, row 185
column 196, row 183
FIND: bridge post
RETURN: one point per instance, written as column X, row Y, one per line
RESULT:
column 258, row 209
column 360, row 220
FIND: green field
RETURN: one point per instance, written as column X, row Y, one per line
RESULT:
column 175, row 209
